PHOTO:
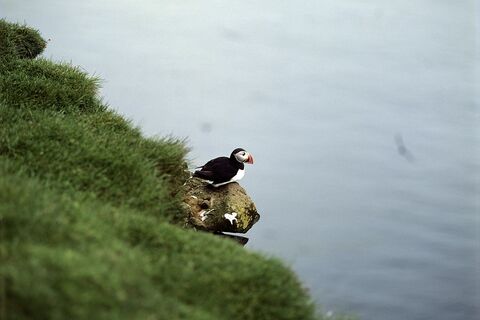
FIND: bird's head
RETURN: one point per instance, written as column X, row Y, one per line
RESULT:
column 242, row 156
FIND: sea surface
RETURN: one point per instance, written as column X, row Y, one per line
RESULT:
column 363, row 118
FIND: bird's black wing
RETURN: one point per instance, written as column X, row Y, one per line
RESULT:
column 206, row 175
column 215, row 164
column 214, row 169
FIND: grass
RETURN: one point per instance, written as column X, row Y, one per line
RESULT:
column 98, row 153
column 19, row 41
column 44, row 84
column 70, row 256
column 89, row 210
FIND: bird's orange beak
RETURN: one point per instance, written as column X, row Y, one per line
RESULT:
column 250, row 159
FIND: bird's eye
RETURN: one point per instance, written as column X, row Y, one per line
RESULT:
column 244, row 153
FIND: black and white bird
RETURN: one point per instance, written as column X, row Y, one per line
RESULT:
column 223, row 170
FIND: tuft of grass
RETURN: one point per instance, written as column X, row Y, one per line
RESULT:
column 98, row 153
column 19, row 41
column 44, row 84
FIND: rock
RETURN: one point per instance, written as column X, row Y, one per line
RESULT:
column 227, row 208
column 237, row 239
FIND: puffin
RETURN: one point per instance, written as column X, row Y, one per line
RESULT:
column 223, row 170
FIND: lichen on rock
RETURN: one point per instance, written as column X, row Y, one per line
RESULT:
column 227, row 208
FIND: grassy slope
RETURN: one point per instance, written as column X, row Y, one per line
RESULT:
column 86, row 206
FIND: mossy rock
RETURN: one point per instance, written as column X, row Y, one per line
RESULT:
column 227, row 208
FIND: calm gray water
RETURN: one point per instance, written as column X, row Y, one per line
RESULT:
column 362, row 117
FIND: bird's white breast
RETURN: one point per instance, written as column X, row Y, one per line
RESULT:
column 239, row 175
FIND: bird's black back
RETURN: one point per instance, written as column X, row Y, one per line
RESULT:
column 219, row 170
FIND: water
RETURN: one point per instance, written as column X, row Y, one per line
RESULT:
column 362, row 117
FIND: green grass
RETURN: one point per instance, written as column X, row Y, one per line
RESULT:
column 88, row 208
column 70, row 256
column 98, row 153
column 47, row 85
column 19, row 41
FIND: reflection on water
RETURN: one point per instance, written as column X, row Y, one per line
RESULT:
column 362, row 118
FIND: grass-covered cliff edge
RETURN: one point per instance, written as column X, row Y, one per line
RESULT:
column 88, row 209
